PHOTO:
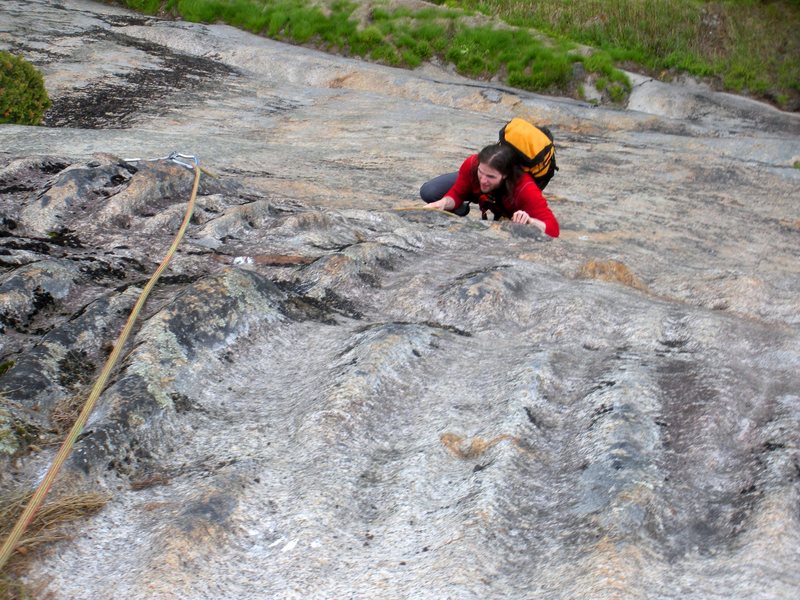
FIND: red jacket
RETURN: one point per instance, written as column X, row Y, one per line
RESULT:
column 526, row 196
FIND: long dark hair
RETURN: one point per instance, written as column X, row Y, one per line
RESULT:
column 503, row 158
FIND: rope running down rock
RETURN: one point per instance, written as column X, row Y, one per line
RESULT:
column 44, row 487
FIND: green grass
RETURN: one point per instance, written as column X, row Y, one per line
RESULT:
column 746, row 46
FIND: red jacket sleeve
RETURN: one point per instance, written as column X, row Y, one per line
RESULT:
column 528, row 197
column 463, row 188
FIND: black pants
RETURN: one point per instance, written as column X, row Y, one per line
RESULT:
column 436, row 188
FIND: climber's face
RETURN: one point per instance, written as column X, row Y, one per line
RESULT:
column 489, row 178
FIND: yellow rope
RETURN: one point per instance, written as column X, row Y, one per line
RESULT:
column 38, row 497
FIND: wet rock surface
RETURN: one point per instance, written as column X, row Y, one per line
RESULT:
column 332, row 393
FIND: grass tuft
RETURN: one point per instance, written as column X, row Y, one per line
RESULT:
column 46, row 528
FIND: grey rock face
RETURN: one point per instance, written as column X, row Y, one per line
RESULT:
column 332, row 393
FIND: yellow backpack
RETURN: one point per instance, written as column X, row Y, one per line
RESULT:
column 535, row 149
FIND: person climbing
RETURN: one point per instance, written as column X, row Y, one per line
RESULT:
column 495, row 180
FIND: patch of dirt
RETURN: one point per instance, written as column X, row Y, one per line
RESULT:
column 611, row 270
column 715, row 33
